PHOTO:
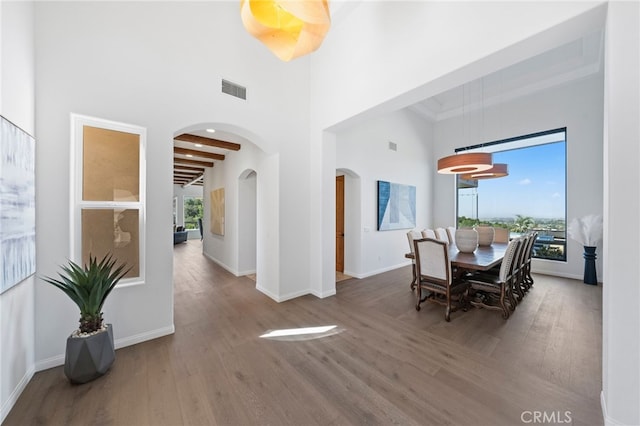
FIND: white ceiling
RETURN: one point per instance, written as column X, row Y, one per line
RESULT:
column 578, row 59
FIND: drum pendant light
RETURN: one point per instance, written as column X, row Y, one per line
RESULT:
column 289, row 28
column 497, row 171
column 465, row 163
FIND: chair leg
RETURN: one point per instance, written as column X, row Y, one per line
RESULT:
column 419, row 296
column 415, row 278
column 503, row 305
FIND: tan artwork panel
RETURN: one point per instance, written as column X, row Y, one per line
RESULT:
column 114, row 231
column 111, row 165
column 217, row 211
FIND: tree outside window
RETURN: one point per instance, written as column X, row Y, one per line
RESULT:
column 192, row 212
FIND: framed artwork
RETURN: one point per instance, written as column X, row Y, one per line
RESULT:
column 217, row 211
column 17, row 205
column 396, row 206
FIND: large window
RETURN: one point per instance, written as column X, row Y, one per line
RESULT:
column 192, row 211
column 532, row 197
column 108, row 197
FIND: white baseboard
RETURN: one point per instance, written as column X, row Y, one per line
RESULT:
column 608, row 421
column 378, row 271
column 282, row 298
column 324, row 294
column 15, row 394
column 223, row 265
column 247, row 272
column 143, row 337
column 57, row 360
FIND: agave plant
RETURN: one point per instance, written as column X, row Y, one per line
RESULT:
column 89, row 287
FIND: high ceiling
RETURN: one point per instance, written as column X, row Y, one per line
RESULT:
column 578, row 59
column 197, row 150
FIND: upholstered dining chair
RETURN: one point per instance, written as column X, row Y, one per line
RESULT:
column 489, row 287
column 527, row 278
column 442, row 235
column 429, row 233
column 451, row 233
column 433, row 270
column 501, row 235
column 411, row 236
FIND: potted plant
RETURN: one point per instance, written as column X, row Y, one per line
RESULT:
column 90, row 351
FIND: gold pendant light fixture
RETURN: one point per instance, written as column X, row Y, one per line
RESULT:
column 289, row 28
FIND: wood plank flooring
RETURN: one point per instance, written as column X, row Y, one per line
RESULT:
column 389, row 364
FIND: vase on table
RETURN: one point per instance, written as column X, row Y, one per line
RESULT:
column 590, row 276
column 466, row 240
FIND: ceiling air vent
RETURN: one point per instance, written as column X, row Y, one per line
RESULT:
column 234, row 89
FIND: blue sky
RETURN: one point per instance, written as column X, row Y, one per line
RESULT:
column 535, row 187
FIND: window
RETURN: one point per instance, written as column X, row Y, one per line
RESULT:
column 108, row 199
column 192, row 211
column 532, row 197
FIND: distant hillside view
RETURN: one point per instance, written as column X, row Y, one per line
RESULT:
column 552, row 234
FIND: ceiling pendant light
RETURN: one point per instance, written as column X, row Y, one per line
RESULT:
column 497, row 171
column 289, row 28
column 465, row 163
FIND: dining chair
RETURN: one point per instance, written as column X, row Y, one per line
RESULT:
column 429, row 233
column 501, row 235
column 411, row 236
column 451, row 233
column 487, row 287
column 441, row 234
column 528, row 279
column 518, row 268
column 433, row 269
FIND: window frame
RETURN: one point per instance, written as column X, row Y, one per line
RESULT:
column 78, row 204
column 520, row 142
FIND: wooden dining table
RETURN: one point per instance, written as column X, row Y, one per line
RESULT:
column 482, row 259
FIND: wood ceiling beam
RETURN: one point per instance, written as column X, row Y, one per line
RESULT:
column 195, row 153
column 186, row 137
column 187, row 172
column 188, row 168
column 177, row 160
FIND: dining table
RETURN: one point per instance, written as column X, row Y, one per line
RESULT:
column 483, row 258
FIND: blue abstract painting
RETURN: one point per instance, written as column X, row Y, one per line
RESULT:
column 17, row 205
column 396, row 206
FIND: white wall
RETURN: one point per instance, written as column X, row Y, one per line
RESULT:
column 159, row 65
column 181, row 192
column 577, row 106
column 247, row 222
column 621, row 293
column 364, row 150
column 17, row 105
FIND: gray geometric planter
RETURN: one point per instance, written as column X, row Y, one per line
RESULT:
column 88, row 358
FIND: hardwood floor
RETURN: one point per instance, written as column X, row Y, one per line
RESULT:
column 389, row 364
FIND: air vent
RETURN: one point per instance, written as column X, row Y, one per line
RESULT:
column 393, row 146
column 234, row 89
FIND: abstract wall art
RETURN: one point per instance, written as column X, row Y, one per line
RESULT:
column 396, row 206
column 217, row 211
column 17, row 205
